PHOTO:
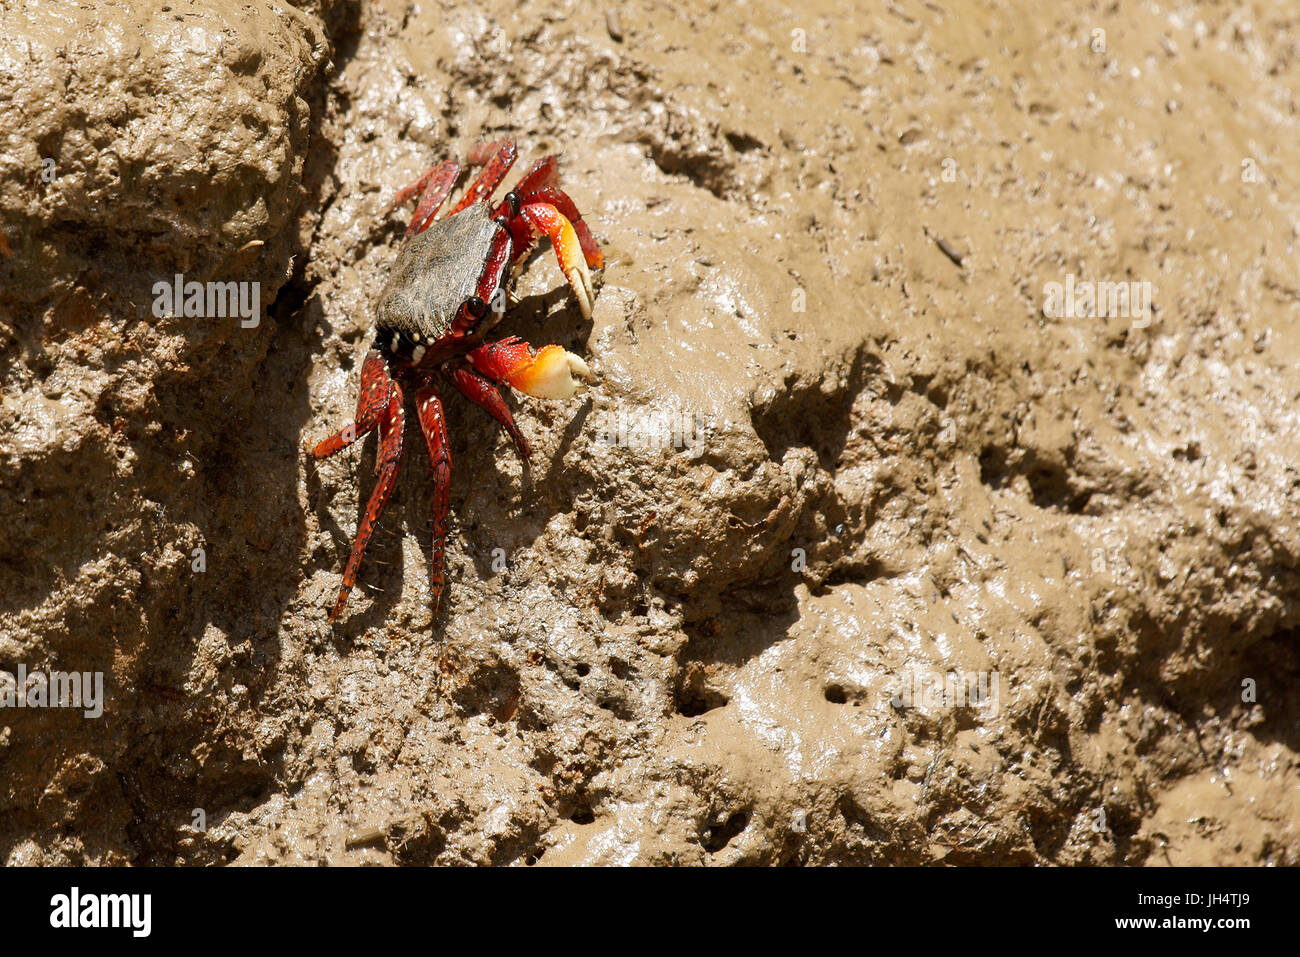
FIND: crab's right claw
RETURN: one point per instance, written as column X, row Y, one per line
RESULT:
column 545, row 218
column 549, row 373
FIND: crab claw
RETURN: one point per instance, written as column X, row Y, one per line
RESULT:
column 568, row 250
column 549, row 373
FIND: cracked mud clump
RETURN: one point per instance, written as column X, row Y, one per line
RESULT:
column 843, row 459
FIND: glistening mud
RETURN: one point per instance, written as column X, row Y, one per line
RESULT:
column 827, row 236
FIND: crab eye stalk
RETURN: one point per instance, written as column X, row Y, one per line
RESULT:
column 476, row 307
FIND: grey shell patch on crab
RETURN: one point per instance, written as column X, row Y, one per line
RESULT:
column 435, row 272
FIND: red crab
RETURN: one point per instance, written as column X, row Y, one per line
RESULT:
column 447, row 289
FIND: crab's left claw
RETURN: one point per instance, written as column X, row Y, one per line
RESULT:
column 549, row 373
column 547, row 219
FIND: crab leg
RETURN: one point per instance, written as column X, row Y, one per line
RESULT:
column 541, row 174
column 547, row 373
column 391, row 422
column 376, row 390
column 554, row 196
column 496, row 159
column 434, row 187
column 483, row 393
column 538, row 185
column 568, row 250
column 429, row 410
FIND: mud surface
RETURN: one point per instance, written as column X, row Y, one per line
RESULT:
column 829, row 236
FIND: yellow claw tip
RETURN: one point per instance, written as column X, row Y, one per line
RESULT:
column 572, row 261
column 580, row 280
column 551, row 374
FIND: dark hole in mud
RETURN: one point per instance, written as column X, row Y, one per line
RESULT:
column 993, row 468
column 850, row 574
column 290, row 298
column 617, row 708
column 693, row 697
column 583, row 670
column 719, row 836
column 1050, row 486
column 582, row 814
column 836, row 694
column 693, row 702
column 742, row 142
column 362, row 763
column 1051, row 489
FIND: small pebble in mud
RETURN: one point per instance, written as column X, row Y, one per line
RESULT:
column 614, row 25
column 947, row 249
column 370, row 835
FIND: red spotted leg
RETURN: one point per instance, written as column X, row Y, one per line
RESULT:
column 496, row 160
column 376, row 390
column 545, row 172
column 483, row 393
column 542, row 173
column 391, row 421
column 429, row 409
column 433, row 189
column 539, row 185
